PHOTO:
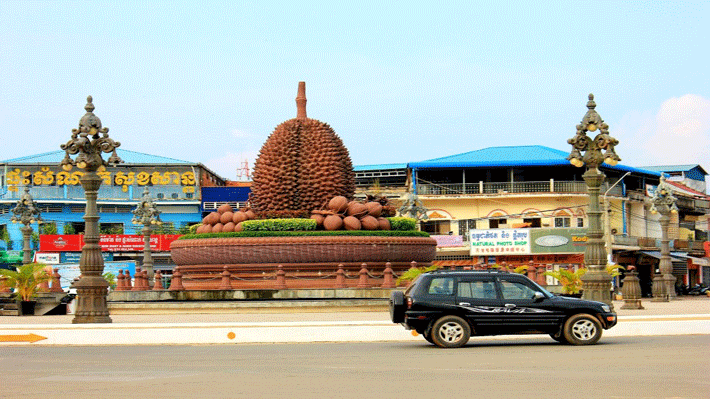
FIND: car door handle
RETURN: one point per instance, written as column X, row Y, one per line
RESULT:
column 510, row 306
column 464, row 304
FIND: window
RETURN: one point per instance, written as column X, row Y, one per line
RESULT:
column 516, row 290
column 441, row 286
column 534, row 222
column 465, row 226
column 437, row 227
column 580, row 222
column 562, row 222
column 494, row 223
column 477, row 289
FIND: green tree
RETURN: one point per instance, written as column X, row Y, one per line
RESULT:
column 69, row 228
column 414, row 272
column 571, row 281
column 5, row 235
column 48, row 228
column 25, row 279
column 111, row 279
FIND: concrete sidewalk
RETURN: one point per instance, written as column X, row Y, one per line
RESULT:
column 687, row 316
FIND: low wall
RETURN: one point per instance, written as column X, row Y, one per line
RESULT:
column 248, row 301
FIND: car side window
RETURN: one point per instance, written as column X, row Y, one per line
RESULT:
column 516, row 290
column 477, row 289
column 441, row 286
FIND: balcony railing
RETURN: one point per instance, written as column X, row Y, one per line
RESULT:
column 550, row 186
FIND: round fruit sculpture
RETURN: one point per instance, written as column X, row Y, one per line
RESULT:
column 301, row 165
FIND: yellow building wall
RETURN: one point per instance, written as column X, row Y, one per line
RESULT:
column 513, row 208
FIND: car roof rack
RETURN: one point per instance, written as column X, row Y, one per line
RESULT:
column 496, row 271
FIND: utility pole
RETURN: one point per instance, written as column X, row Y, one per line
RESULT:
column 607, row 227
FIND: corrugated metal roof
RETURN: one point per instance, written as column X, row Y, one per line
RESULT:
column 387, row 166
column 672, row 168
column 129, row 157
column 513, row 156
column 692, row 171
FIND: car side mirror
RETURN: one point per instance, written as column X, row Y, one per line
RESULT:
column 539, row 296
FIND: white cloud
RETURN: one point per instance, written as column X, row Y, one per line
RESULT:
column 227, row 166
column 679, row 133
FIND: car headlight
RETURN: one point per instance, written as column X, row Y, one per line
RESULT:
column 606, row 308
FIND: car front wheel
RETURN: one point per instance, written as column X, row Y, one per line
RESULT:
column 582, row 329
column 450, row 332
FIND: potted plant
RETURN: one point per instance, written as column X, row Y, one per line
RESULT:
column 571, row 281
column 25, row 281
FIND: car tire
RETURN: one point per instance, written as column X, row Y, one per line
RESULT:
column 397, row 307
column 559, row 337
column 582, row 329
column 450, row 332
column 428, row 338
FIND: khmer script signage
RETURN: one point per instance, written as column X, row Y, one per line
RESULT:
column 500, row 242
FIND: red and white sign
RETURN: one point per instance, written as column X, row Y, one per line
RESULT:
column 108, row 242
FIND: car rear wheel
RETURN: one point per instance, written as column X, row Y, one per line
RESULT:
column 450, row 332
column 582, row 329
column 397, row 307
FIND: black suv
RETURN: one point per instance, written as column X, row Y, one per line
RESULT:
column 447, row 307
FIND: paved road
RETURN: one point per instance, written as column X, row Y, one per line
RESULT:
column 681, row 317
column 619, row 367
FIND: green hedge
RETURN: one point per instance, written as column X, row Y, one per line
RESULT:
column 402, row 223
column 279, row 225
column 317, row 233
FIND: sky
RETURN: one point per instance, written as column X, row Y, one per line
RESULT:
column 208, row 81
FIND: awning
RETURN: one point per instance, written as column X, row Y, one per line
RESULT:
column 699, row 261
column 675, row 256
column 678, row 261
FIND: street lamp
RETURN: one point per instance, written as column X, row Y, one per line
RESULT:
column 147, row 214
column 26, row 213
column 592, row 152
column 89, row 141
column 663, row 202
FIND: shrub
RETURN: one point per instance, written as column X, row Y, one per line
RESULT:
column 279, row 225
column 402, row 223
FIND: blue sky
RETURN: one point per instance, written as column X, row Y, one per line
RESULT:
column 209, row 81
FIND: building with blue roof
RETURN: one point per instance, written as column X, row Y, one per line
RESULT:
column 534, row 191
column 693, row 176
column 176, row 186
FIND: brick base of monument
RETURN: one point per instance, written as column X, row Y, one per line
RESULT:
column 306, row 262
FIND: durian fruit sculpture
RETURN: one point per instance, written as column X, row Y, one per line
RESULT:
column 303, row 170
column 353, row 215
column 225, row 220
column 302, row 165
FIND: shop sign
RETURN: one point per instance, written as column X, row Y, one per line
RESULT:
column 47, row 258
column 124, row 177
column 108, row 242
column 558, row 241
column 74, row 257
column 445, row 241
column 71, row 271
column 500, row 242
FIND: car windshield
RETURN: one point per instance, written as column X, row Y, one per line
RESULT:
column 544, row 291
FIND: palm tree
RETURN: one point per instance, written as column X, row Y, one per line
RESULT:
column 26, row 279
